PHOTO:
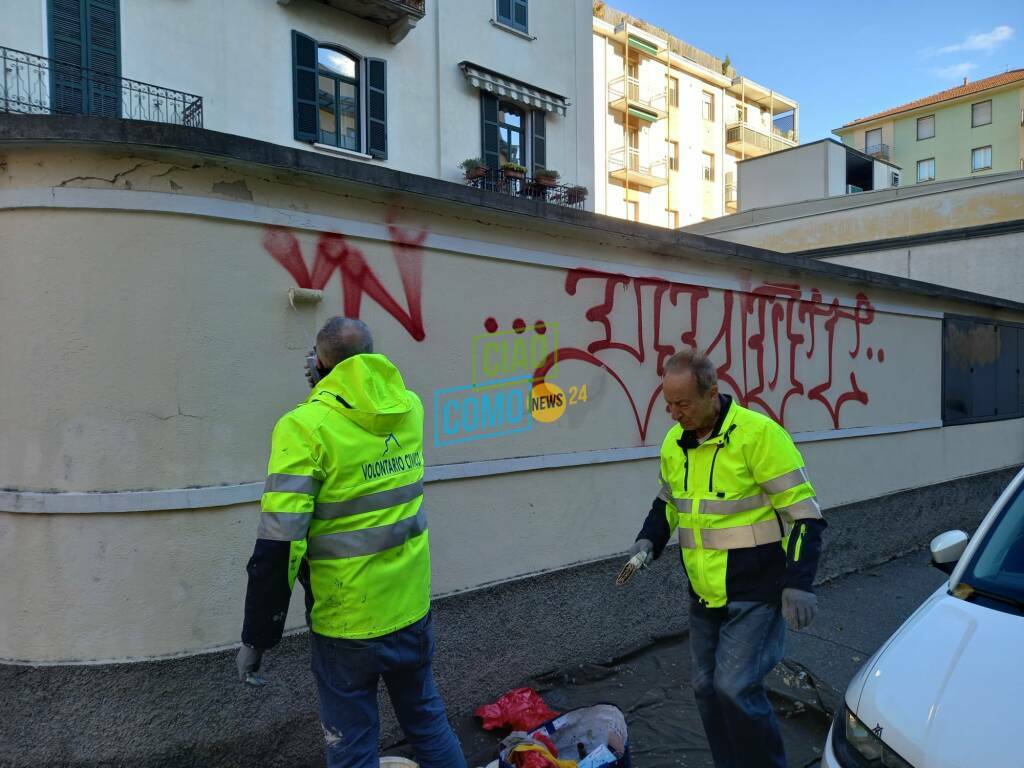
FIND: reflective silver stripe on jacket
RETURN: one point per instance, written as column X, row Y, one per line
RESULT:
column 331, row 510
column 282, row 483
column 732, row 506
column 665, row 494
column 733, row 538
column 786, row 481
column 368, row 541
column 808, row 509
column 284, row 526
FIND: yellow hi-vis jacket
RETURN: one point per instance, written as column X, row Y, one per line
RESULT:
column 733, row 500
column 344, row 494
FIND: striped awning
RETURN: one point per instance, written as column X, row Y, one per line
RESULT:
column 514, row 90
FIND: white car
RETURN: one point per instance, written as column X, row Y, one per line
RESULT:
column 946, row 690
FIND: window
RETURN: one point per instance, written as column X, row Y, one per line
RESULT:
column 873, row 140
column 707, row 105
column 514, row 14
column 981, row 159
column 926, row 169
column 673, row 219
column 708, row 166
column 673, row 155
column 338, row 99
column 85, row 36
column 673, row 91
column 980, row 378
column 981, row 113
column 633, row 210
column 510, row 134
column 925, row 127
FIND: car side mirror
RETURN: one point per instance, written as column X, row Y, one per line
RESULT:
column 947, row 548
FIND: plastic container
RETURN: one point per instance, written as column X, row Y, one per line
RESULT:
column 590, row 726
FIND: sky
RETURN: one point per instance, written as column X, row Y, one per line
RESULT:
column 845, row 61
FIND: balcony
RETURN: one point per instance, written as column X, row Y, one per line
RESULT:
column 630, row 168
column 730, row 198
column 399, row 16
column 536, row 189
column 750, row 141
column 625, row 95
column 34, row 85
column 881, row 151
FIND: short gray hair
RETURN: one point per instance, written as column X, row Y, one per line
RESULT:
column 698, row 363
column 342, row 338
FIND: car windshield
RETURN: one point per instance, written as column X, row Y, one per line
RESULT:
column 998, row 565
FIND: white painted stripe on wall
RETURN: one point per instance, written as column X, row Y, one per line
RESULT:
column 247, row 493
column 191, row 205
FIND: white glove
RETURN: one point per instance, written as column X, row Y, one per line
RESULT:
column 799, row 607
column 642, row 553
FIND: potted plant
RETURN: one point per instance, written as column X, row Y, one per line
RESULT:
column 473, row 167
column 575, row 195
column 513, row 170
column 547, row 177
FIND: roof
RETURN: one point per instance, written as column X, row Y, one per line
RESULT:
column 996, row 81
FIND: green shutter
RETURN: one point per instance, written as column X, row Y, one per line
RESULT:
column 540, row 141
column 85, row 46
column 377, row 108
column 304, row 87
column 489, row 122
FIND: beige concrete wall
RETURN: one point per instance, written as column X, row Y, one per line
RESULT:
column 874, row 216
column 148, row 345
column 796, row 174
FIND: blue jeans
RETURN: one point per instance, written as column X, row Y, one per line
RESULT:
column 347, row 674
column 733, row 649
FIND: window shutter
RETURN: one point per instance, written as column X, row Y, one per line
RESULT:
column 505, row 12
column 305, row 87
column 103, row 56
column 67, row 50
column 489, row 121
column 540, row 141
column 520, row 15
column 377, row 108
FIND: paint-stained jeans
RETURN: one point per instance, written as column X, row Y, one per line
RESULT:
column 347, row 674
column 733, row 650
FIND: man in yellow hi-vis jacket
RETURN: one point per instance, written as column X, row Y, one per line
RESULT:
column 734, row 487
column 342, row 513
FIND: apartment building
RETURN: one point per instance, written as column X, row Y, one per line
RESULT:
column 413, row 85
column 970, row 130
column 671, row 122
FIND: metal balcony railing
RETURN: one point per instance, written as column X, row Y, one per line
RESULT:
column 634, row 161
column 629, row 88
column 758, row 137
column 730, row 193
column 877, row 150
column 505, row 184
column 35, row 85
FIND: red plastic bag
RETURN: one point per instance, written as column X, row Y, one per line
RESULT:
column 521, row 709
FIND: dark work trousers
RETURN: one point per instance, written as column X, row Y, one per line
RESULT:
column 733, row 650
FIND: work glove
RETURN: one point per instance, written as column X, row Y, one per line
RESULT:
column 798, row 607
column 641, row 555
column 248, row 663
column 312, row 374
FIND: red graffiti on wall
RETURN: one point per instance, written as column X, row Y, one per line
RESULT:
column 335, row 254
column 762, row 336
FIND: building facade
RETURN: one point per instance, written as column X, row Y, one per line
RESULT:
column 812, row 171
column 971, row 130
column 671, row 122
column 412, row 85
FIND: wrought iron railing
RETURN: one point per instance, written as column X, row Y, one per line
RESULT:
column 35, row 85
column 757, row 137
column 526, row 186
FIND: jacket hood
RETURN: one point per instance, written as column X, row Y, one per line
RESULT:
column 367, row 389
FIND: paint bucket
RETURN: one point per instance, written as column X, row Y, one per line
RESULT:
column 397, row 762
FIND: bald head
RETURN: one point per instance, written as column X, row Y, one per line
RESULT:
column 340, row 339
